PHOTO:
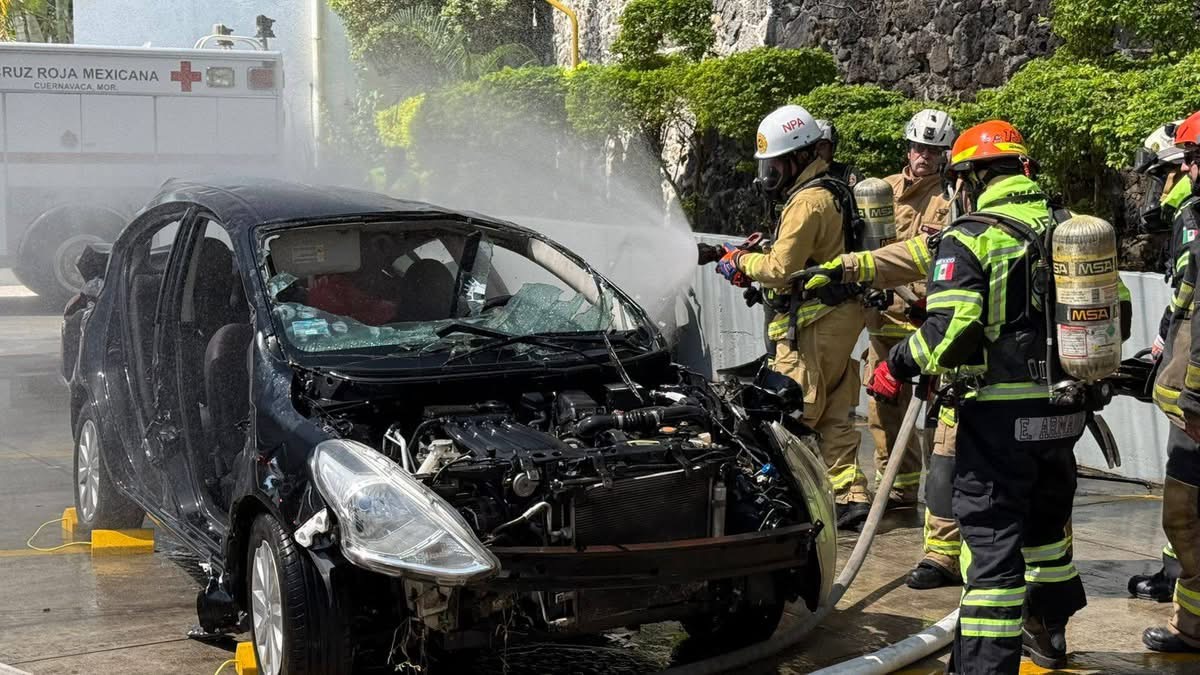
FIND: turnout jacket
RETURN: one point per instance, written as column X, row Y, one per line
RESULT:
column 810, row 229
column 1184, row 229
column 1177, row 387
column 921, row 209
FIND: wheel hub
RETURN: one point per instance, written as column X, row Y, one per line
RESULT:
column 87, row 473
column 266, row 610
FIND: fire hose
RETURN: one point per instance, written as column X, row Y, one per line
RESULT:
column 886, row 660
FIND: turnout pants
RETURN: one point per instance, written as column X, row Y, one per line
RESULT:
column 821, row 363
column 884, row 419
column 942, row 540
column 1014, row 481
column 1181, row 522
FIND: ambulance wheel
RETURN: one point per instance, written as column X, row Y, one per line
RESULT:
column 52, row 244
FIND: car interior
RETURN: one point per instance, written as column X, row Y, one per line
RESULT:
column 215, row 332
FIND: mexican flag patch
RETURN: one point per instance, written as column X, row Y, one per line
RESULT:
column 1188, row 235
column 943, row 269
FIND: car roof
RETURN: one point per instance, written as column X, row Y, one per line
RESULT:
column 242, row 203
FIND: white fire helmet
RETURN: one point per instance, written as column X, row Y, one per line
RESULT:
column 931, row 127
column 1161, row 144
column 788, row 128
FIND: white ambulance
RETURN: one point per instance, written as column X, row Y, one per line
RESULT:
column 87, row 135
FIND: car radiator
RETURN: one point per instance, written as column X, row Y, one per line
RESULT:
column 659, row 507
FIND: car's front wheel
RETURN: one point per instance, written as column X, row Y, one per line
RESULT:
column 295, row 629
column 99, row 504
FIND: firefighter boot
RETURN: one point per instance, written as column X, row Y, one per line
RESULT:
column 1156, row 587
column 1045, row 643
column 1159, row 586
column 850, row 516
column 1161, row 639
column 928, row 575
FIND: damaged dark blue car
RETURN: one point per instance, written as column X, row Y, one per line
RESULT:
column 383, row 423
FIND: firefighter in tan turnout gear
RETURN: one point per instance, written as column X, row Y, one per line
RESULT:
column 922, row 209
column 813, row 342
column 922, row 205
column 1177, row 393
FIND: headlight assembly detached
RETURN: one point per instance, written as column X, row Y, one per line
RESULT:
column 392, row 523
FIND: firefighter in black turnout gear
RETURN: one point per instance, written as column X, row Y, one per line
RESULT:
column 1014, row 477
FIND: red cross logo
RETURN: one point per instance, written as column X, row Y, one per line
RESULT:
column 185, row 76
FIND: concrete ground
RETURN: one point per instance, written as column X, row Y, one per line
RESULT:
column 65, row 612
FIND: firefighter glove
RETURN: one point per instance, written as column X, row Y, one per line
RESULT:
column 728, row 266
column 833, row 295
column 883, row 385
column 823, row 274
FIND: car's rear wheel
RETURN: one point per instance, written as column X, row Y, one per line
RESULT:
column 99, row 504
column 295, row 629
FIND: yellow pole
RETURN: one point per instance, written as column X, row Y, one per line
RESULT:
column 556, row 4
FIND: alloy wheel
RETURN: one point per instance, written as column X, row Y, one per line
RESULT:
column 87, row 471
column 266, row 610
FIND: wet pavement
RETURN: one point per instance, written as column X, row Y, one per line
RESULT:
column 65, row 612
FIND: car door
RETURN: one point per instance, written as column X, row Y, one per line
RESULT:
column 204, row 337
column 146, row 249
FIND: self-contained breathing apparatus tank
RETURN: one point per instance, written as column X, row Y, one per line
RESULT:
column 1087, row 308
column 877, row 208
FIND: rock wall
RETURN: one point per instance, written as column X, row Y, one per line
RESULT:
column 938, row 49
column 943, row 48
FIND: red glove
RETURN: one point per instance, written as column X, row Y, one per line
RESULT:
column 883, row 385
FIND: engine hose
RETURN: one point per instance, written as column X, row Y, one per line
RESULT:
column 745, row 656
column 640, row 419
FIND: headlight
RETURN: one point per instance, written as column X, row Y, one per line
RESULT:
column 392, row 523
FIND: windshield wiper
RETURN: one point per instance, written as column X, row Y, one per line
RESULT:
column 537, row 340
column 470, row 329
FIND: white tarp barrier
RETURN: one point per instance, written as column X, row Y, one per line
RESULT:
column 717, row 330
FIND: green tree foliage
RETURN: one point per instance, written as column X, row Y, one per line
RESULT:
column 1067, row 110
column 605, row 101
column 1092, row 27
column 394, row 124
column 646, row 25
column 418, row 47
column 469, row 123
column 731, row 95
column 37, row 20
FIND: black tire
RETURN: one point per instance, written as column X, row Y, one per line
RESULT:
column 99, row 504
column 314, row 639
column 48, row 249
column 736, row 629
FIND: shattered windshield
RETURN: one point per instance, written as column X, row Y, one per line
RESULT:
column 395, row 289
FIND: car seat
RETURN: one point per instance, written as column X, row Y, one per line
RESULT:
column 427, row 291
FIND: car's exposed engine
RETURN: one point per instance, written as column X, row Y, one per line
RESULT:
column 588, row 468
column 575, row 467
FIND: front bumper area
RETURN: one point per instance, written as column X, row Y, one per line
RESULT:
column 555, row 568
